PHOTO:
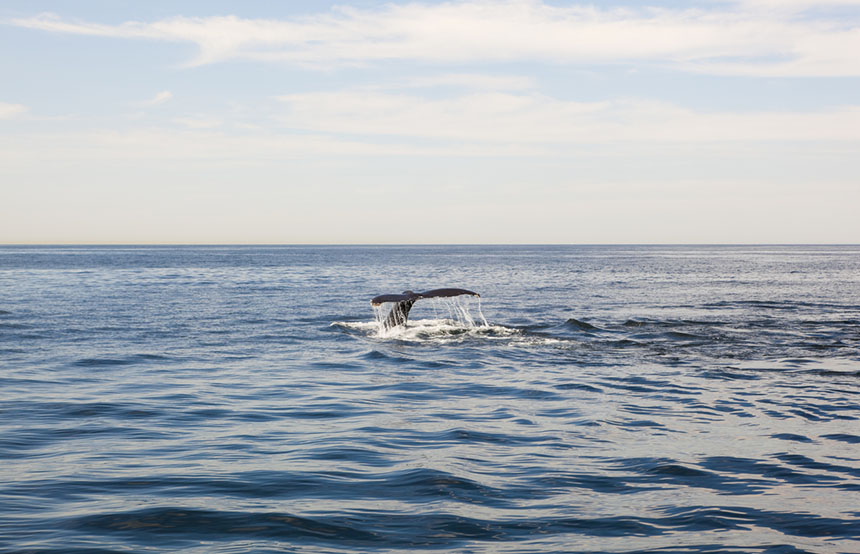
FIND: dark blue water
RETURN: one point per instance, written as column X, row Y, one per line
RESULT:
column 240, row 399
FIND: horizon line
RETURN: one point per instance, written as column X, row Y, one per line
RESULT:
column 381, row 244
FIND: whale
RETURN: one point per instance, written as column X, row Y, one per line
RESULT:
column 403, row 303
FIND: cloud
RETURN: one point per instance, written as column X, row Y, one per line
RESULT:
column 8, row 111
column 535, row 119
column 795, row 5
column 199, row 122
column 472, row 81
column 478, row 125
column 207, row 145
column 737, row 39
column 159, row 98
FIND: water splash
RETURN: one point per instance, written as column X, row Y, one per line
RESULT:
column 450, row 315
column 458, row 310
column 454, row 319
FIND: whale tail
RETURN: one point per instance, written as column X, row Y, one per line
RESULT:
column 403, row 303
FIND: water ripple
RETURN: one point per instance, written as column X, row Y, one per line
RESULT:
column 241, row 399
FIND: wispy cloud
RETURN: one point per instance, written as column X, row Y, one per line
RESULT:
column 159, row 98
column 472, row 81
column 795, row 5
column 199, row 122
column 198, row 144
column 366, row 123
column 8, row 111
column 737, row 38
column 531, row 119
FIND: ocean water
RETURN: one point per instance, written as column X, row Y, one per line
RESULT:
column 596, row 399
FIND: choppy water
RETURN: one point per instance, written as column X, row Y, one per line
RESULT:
column 619, row 399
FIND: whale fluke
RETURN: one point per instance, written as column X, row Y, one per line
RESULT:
column 405, row 300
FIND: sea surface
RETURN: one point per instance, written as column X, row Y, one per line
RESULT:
column 594, row 399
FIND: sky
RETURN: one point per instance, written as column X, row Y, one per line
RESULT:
column 428, row 122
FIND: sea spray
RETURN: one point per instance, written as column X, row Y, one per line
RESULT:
column 453, row 311
column 481, row 314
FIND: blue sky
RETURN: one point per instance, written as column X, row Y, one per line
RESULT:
column 430, row 122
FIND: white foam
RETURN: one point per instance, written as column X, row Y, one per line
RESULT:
column 435, row 330
column 456, row 309
column 363, row 326
column 453, row 321
column 446, row 331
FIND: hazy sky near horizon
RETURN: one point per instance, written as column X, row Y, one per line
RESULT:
column 520, row 121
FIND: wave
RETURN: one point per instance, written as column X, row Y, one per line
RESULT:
column 582, row 325
column 823, row 348
column 127, row 360
column 442, row 529
column 427, row 330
